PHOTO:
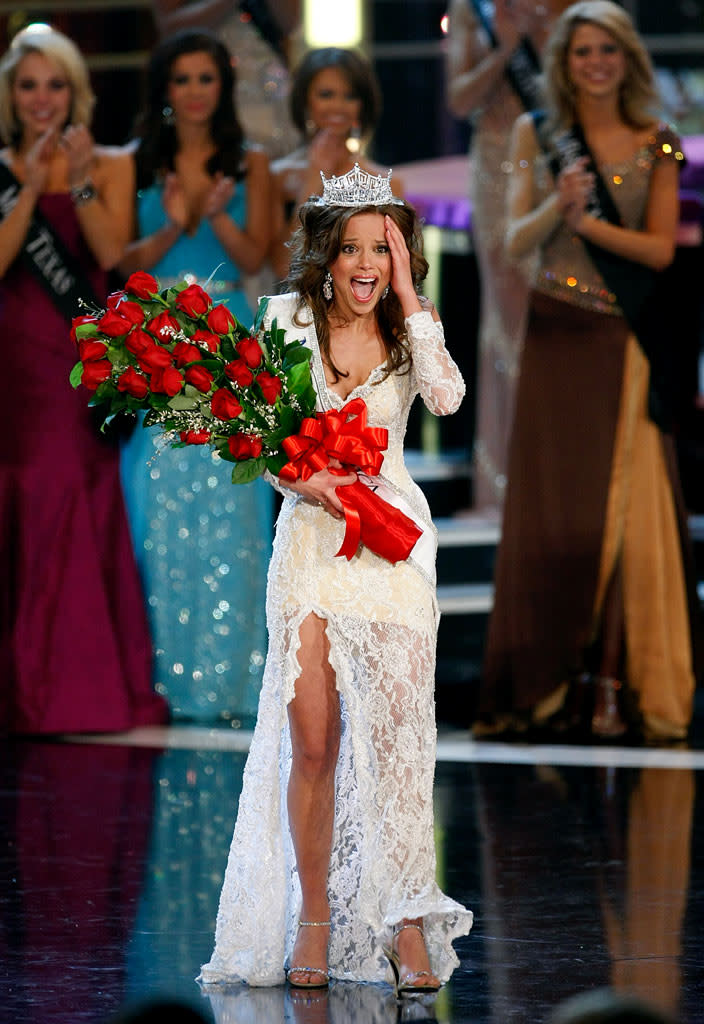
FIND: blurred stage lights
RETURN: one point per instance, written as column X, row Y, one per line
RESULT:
column 333, row 22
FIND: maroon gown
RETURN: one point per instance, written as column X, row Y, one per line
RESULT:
column 75, row 652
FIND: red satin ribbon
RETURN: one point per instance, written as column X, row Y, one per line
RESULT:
column 345, row 436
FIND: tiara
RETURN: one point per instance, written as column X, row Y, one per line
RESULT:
column 358, row 188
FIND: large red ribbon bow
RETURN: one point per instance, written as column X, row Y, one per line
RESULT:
column 345, row 435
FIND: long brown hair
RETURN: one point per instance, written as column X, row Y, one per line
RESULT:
column 639, row 103
column 317, row 243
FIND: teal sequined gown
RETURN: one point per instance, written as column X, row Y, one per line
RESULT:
column 202, row 544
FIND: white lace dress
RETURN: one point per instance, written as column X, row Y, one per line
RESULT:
column 382, row 628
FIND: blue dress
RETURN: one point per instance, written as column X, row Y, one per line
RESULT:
column 202, row 544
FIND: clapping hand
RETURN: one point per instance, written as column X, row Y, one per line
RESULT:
column 219, row 195
column 77, row 143
column 327, row 151
column 512, row 21
column 36, row 162
column 574, row 188
column 174, row 201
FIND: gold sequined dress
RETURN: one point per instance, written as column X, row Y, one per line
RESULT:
column 381, row 623
column 592, row 492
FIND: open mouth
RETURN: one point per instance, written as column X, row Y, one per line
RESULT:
column 363, row 288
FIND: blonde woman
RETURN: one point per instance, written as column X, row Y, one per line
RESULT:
column 591, row 626
column 74, row 640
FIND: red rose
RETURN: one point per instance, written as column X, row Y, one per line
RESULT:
column 244, row 446
column 195, row 436
column 224, row 405
column 220, row 320
column 239, row 372
column 193, row 300
column 163, row 322
column 185, row 353
column 251, row 352
column 154, row 358
column 114, row 325
column 138, row 341
column 133, row 383
column 200, row 378
column 131, row 311
column 78, row 320
column 166, row 381
column 270, row 385
column 143, row 285
column 115, row 298
column 206, row 338
column 95, row 373
column 90, row 351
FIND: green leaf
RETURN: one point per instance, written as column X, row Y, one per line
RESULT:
column 275, row 462
column 227, row 349
column 88, row 330
column 182, row 402
column 294, row 354
column 250, row 469
column 261, row 311
column 75, row 375
column 288, row 420
column 159, row 401
column 299, row 376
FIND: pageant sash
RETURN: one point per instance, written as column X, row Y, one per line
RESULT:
column 523, row 66
column 633, row 284
column 46, row 256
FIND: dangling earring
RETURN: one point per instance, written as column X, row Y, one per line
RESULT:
column 311, row 127
column 327, row 285
column 353, row 142
column 385, row 292
column 167, row 114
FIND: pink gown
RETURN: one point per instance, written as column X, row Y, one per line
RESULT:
column 75, row 652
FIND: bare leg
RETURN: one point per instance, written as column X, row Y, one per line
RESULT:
column 314, row 719
column 413, row 956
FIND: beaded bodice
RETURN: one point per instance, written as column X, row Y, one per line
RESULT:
column 566, row 270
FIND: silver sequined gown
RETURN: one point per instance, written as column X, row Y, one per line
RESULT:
column 504, row 289
column 263, row 85
column 382, row 626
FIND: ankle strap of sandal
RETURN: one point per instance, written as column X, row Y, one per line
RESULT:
column 398, row 928
column 313, row 924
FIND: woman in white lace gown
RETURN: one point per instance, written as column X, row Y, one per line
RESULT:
column 335, row 821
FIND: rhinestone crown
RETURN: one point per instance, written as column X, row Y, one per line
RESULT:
column 358, row 188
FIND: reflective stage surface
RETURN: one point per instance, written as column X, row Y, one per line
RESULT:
column 584, row 868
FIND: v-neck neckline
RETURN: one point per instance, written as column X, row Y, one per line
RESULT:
column 331, row 396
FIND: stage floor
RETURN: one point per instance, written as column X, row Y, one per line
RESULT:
column 584, row 867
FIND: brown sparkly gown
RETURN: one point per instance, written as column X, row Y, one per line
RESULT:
column 591, row 495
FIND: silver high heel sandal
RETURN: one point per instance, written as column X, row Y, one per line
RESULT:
column 309, row 971
column 405, row 985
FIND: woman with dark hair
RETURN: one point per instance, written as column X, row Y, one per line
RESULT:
column 74, row 645
column 258, row 34
column 332, row 863
column 202, row 213
column 591, row 626
column 335, row 105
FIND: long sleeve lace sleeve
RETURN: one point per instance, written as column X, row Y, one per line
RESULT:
column 437, row 376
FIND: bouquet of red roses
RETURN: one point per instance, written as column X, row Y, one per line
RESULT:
column 204, row 378
column 201, row 375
